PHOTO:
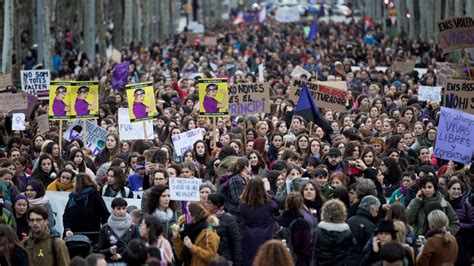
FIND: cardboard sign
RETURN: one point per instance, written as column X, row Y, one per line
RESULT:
column 116, row 56
column 12, row 101
column 59, row 100
column 403, row 67
column 191, row 38
column 249, row 98
column 324, row 96
column 454, row 136
column 84, row 97
column 43, row 123
column 456, row 33
column 186, row 189
column 287, row 14
column 5, row 80
column 210, row 41
column 185, row 141
column 428, row 93
column 132, row 131
column 36, row 83
column 458, row 94
column 298, row 71
column 18, row 121
column 213, row 97
column 141, row 102
column 95, row 136
column 445, row 71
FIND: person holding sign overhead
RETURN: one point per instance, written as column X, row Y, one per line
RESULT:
column 210, row 103
column 59, row 106
column 81, row 106
column 140, row 110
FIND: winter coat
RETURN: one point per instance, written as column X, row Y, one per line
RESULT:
column 39, row 247
column 18, row 257
column 362, row 226
column 258, row 226
column 22, row 226
column 106, row 235
column 108, row 191
column 332, row 244
column 417, row 217
column 301, row 237
column 465, row 235
column 232, row 190
column 435, row 253
column 229, row 233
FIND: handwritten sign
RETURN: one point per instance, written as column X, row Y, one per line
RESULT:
column 43, row 123
column 210, row 41
column 185, row 141
column 428, row 93
column 287, row 14
column 95, row 136
column 195, row 27
column 324, row 96
column 454, row 136
column 184, row 188
column 132, row 131
column 36, row 83
column 5, row 80
column 249, row 98
column 456, row 33
column 458, row 95
column 18, row 121
column 12, row 101
column 298, row 71
column 445, row 71
column 404, row 67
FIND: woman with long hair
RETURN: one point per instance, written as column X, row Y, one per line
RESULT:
column 195, row 240
column 85, row 201
column 20, row 208
column 52, row 148
column 272, row 253
column 35, row 194
column 302, row 146
column 13, row 253
column 392, row 174
column 45, row 173
column 313, row 202
column 116, row 184
column 152, row 230
column 110, row 151
column 256, row 210
column 21, row 176
column 64, row 181
column 233, row 187
column 202, row 153
column 77, row 157
column 259, row 168
column 261, row 145
column 159, row 205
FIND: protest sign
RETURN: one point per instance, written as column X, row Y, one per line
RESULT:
column 456, row 33
column 403, row 67
column 287, row 14
column 210, row 41
column 298, row 71
column 141, row 102
column 5, row 80
column 116, row 56
column 59, row 100
column 185, row 141
column 428, row 93
column 261, row 68
column 36, row 82
column 445, row 71
column 95, row 136
column 191, row 38
column 18, row 121
column 342, row 85
column 454, row 136
column 12, row 101
column 186, row 189
column 84, row 97
column 132, row 131
column 213, row 97
column 458, row 95
column 58, row 201
column 195, row 27
column 31, row 104
column 43, row 123
column 324, row 96
column 249, row 98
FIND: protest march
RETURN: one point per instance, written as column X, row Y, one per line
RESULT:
column 274, row 134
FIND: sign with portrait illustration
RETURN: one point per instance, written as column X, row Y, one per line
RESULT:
column 84, row 97
column 141, row 102
column 59, row 100
column 213, row 97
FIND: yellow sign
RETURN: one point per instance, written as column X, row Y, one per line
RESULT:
column 213, row 97
column 84, row 97
column 59, row 100
column 141, row 102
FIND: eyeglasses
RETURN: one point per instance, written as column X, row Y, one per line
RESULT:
column 37, row 220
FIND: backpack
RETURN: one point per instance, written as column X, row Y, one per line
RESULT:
column 284, row 234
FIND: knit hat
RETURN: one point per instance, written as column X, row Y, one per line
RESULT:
column 20, row 197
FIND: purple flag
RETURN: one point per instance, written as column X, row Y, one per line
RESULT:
column 120, row 75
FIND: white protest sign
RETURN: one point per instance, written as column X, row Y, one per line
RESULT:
column 195, row 27
column 428, row 93
column 36, row 83
column 185, row 141
column 95, row 136
column 58, row 201
column 298, row 71
column 184, row 188
column 287, row 14
column 132, row 131
column 18, row 121
column 260, row 73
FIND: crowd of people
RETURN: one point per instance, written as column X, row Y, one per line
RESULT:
column 363, row 188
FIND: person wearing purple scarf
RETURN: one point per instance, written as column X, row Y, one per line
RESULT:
column 398, row 196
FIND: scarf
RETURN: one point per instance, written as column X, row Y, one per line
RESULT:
column 61, row 187
column 433, row 232
column 38, row 201
column 120, row 225
column 403, row 191
column 455, row 202
column 83, row 195
column 313, row 204
column 192, row 231
column 163, row 216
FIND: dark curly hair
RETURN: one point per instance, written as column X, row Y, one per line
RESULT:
column 154, row 198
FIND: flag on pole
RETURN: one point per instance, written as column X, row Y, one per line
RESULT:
column 313, row 32
column 120, row 75
column 307, row 109
column 262, row 14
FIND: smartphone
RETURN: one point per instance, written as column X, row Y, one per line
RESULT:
column 352, row 163
column 422, row 239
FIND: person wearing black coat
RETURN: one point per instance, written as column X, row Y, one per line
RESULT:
column 85, row 210
column 362, row 226
column 228, row 229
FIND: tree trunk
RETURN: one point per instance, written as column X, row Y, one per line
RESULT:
column 100, row 26
column 7, row 36
column 138, row 18
column 412, row 19
column 146, row 21
column 423, row 19
column 118, row 24
column 128, row 21
column 40, row 34
column 438, row 16
column 164, row 19
column 17, row 42
column 459, row 8
column 48, row 59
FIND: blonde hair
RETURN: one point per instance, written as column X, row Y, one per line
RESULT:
column 401, row 231
column 437, row 219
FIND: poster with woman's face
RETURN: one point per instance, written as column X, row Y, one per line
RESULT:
column 141, row 102
column 59, row 100
column 213, row 97
column 84, row 99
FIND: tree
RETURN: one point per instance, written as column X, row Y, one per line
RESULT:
column 7, row 36
column 118, row 23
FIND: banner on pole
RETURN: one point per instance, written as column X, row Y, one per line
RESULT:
column 249, row 98
column 213, row 97
column 141, row 102
column 133, row 131
column 456, row 33
column 36, row 82
column 324, row 96
column 185, row 141
column 428, row 93
column 457, row 94
column 186, row 189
